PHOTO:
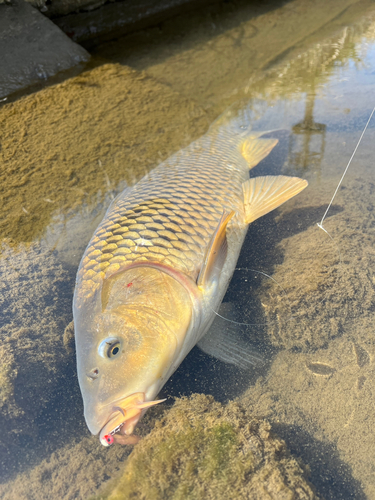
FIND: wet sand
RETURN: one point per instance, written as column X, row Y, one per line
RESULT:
column 318, row 393
column 61, row 145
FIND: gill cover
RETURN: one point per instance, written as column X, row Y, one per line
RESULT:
column 128, row 337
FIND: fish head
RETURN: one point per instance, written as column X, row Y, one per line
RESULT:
column 128, row 338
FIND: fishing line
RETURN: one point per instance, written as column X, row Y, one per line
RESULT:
column 320, row 224
column 257, row 324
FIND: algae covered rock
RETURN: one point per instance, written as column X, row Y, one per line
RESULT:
column 202, row 449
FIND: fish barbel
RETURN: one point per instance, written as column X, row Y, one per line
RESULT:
column 157, row 268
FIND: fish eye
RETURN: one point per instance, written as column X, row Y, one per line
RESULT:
column 110, row 347
column 113, row 350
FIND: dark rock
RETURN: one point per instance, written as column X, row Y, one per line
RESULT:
column 32, row 48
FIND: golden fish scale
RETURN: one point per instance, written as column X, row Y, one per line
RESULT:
column 168, row 217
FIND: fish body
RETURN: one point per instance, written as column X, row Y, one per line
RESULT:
column 158, row 267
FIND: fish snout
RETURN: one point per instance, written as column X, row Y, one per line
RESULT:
column 122, row 422
column 124, row 418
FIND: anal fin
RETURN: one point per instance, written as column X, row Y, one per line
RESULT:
column 264, row 194
column 255, row 150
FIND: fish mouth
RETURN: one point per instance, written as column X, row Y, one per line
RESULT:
column 124, row 417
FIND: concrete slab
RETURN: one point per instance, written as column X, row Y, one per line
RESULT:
column 116, row 18
column 32, row 48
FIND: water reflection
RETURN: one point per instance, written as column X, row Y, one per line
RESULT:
column 307, row 140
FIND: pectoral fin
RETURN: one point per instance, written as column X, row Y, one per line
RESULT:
column 255, row 150
column 216, row 252
column 225, row 342
column 263, row 194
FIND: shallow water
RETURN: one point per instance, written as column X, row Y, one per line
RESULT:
column 306, row 73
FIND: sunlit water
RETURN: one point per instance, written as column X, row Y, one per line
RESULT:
column 305, row 298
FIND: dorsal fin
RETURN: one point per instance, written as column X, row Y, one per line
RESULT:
column 255, row 150
column 263, row 194
column 216, row 252
column 121, row 195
